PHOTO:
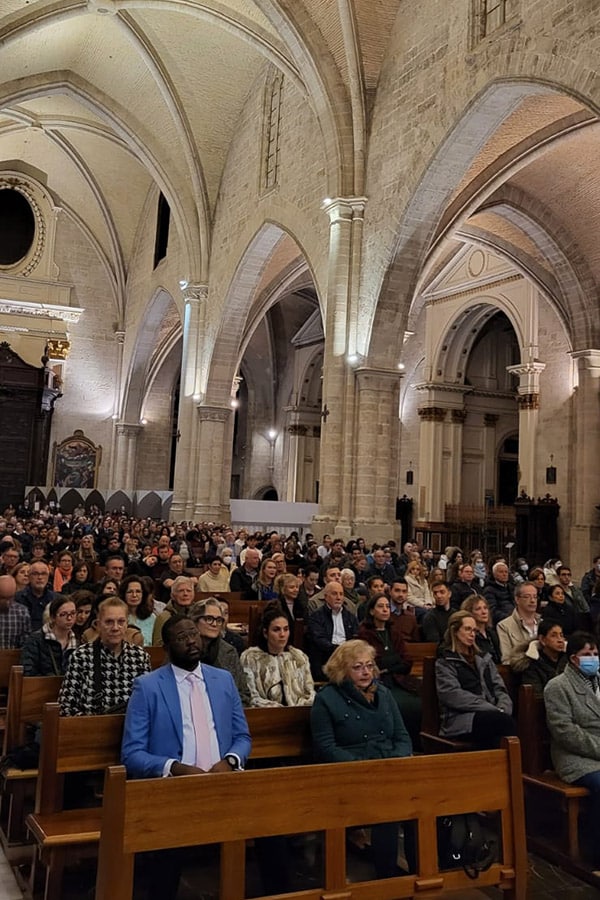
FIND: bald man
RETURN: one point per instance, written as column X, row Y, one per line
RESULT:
column 15, row 623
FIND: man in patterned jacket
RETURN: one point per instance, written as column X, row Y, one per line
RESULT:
column 101, row 674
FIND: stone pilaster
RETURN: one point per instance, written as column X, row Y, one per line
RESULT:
column 431, row 482
column 585, row 483
column 528, row 401
column 213, row 464
column 195, row 298
column 376, row 480
column 126, row 455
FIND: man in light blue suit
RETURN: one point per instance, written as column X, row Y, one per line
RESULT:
column 159, row 738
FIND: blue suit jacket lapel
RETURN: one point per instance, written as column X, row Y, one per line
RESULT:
column 168, row 688
column 210, row 680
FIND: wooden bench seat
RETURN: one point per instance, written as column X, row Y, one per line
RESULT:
column 154, row 814
column 545, row 792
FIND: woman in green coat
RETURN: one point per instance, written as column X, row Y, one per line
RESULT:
column 356, row 718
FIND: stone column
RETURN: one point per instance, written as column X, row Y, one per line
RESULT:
column 296, row 434
column 115, row 464
column 195, row 297
column 376, row 458
column 126, row 457
column 337, row 435
column 528, row 401
column 213, row 464
column 585, row 482
column 454, row 487
column 490, row 420
column 431, row 479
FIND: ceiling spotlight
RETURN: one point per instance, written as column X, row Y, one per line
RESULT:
column 272, row 434
column 234, row 403
column 401, row 366
column 144, row 421
column 353, row 359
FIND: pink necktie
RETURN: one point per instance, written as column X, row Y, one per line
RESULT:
column 201, row 724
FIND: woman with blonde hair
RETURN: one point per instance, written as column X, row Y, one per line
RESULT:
column 354, row 717
column 419, row 591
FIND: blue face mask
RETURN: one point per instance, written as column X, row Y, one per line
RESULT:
column 589, row 665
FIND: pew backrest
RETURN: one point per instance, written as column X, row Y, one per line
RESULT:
column 26, row 699
column 73, row 744
column 279, row 731
column 8, row 659
column 417, row 652
column 533, row 732
column 158, row 656
column 146, row 815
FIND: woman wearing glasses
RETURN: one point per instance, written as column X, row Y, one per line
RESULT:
column 47, row 651
column 277, row 673
column 214, row 651
column 355, row 717
column 474, row 703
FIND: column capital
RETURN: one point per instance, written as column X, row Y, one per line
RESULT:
column 213, row 413
column 587, row 359
column 371, row 376
column 345, row 209
column 120, row 336
column 432, row 413
column 194, row 293
column 129, row 429
column 458, row 416
column 490, row 420
column 529, row 376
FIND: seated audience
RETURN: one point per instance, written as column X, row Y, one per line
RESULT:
column 21, row 575
column 63, row 570
column 327, row 627
column 435, row 621
column 100, row 675
column 81, row 579
column 573, row 594
column 47, row 651
column 182, row 597
column 559, row 611
column 572, row 701
column 133, row 592
column 382, row 631
column 522, row 624
column 277, row 673
column 265, row 582
column 541, row 659
column 84, row 603
column 474, row 703
column 486, row 637
column 355, row 717
column 308, row 588
column 216, row 577
column 419, row 592
column 15, row 623
column 331, row 573
column 288, row 588
column 244, row 578
column 36, row 597
column 214, row 651
column 348, row 581
column 465, row 585
column 228, row 635
column 402, row 611
column 498, row 592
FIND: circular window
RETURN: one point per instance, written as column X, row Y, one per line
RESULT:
column 17, row 226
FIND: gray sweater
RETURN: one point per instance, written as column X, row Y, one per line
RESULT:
column 573, row 714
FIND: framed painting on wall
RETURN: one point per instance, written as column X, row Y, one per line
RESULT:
column 76, row 461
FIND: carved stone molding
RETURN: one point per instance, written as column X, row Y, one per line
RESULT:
column 490, row 420
column 128, row 429
column 316, row 431
column 213, row 413
column 458, row 416
column 298, row 430
column 432, row 413
column 528, row 401
column 195, row 293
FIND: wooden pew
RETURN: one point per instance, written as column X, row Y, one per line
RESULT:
column 544, row 790
column 417, row 652
column 146, row 815
column 8, row 659
column 157, row 656
column 431, row 740
column 69, row 744
column 87, row 743
column 26, row 700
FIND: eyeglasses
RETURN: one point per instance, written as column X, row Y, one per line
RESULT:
column 212, row 620
column 362, row 667
column 468, row 629
column 66, row 615
column 185, row 637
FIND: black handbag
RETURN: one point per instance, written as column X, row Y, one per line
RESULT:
column 467, row 840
